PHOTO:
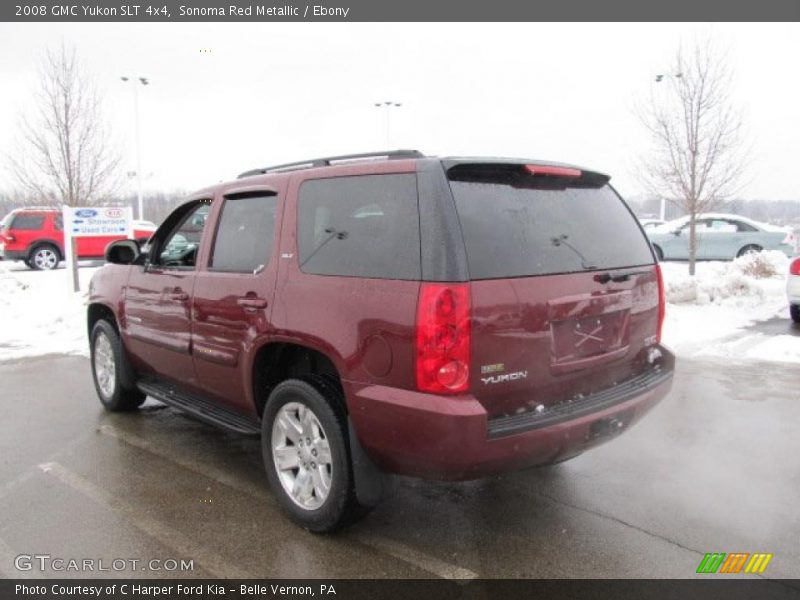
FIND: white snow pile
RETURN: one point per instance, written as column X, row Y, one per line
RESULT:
column 707, row 313
column 751, row 279
column 39, row 314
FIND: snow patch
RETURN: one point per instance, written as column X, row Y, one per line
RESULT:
column 707, row 313
column 39, row 314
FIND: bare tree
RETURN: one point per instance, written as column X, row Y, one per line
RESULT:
column 64, row 154
column 698, row 155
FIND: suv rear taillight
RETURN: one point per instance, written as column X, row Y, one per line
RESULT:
column 794, row 267
column 443, row 338
column 662, row 303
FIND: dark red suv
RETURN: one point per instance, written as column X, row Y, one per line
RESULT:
column 445, row 318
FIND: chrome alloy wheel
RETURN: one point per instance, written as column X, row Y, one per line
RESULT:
column 105, row 369
column 302, row 455
column 45, row 259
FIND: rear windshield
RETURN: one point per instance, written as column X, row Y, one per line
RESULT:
column 518, row 225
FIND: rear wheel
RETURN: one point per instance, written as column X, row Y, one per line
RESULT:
column 749, row 249
column 794, row 310
column 44, row 258
column 109, row 367
column 306, row 455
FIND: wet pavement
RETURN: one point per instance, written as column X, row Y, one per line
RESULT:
column 715, row 467
column 776, row 326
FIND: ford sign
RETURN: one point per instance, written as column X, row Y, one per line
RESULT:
column 85, row 213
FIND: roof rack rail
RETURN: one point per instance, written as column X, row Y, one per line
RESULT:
column 334, row 160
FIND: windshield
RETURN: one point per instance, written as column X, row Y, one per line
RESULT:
column 518, row 226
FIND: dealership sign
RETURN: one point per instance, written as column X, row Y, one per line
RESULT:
column 98, row 221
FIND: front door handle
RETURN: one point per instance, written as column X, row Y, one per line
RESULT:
column 251, row 302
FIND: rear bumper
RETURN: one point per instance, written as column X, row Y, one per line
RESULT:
column 793, row 289
column 13, row 254
column 451, row 438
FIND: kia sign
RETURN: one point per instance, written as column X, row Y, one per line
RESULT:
column 100, row 221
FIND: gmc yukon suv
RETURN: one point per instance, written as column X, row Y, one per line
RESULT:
column 378, row 314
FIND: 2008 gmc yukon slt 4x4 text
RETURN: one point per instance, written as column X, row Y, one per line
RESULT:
column 446, row 318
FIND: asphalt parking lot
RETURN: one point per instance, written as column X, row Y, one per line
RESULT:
column 715, row 467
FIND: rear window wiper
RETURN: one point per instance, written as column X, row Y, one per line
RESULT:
column 561, row 240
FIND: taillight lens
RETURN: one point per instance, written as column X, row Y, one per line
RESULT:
column 794, row 267
column 662, row 302
column 443, row 338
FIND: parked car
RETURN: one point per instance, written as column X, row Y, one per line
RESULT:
column 793, row 289
column 650, row 224
column 36, row 237
column 719, row 237
column 445, row 318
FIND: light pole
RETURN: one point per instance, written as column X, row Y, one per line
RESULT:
column 659, row 79
column 136, row 81
column 388, row 106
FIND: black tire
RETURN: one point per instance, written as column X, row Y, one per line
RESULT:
column 323, row 398
column 659, row 253
column 120, row 394
column 794, row 311
column 44, row 257
column 748, row 249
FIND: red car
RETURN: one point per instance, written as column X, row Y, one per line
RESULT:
column 446, row 318
column 36, row 236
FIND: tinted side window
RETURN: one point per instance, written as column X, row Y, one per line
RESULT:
column 245, row 233
column 363, row 226
column 28, row 222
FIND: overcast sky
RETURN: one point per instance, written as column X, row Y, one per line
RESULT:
column 259, row 94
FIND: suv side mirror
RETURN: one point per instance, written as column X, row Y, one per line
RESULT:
column 676, row 232
column 122, row 252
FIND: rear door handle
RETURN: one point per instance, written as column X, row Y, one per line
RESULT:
column 251, row 302
column 178, row 295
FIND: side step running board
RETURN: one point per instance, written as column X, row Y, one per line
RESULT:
column 201, row 408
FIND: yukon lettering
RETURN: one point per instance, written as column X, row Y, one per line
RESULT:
column 505, row 377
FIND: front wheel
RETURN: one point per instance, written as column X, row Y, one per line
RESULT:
column 794, row 311
column 109, row 365
column 306, row 455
